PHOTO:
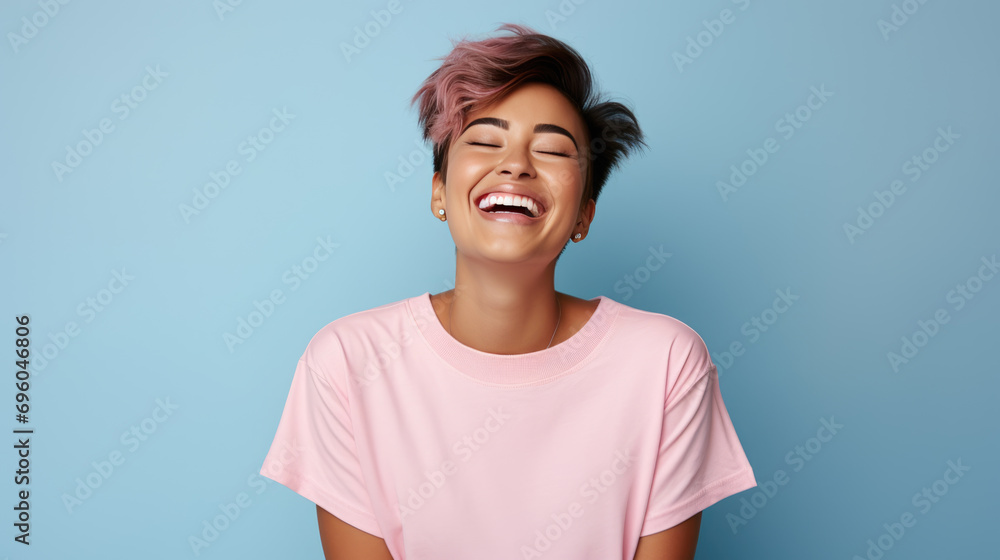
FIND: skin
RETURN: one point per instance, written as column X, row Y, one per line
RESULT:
column 675, row 543
column 346, row 542
column 504, row 301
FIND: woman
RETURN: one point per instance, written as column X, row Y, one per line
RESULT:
column 503, row 419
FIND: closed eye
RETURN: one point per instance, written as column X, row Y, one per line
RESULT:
column 495, row 146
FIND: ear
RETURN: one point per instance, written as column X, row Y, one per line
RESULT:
column 437, row 192
column 587, row 214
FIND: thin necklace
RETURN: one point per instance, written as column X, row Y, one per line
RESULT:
column 558, row 307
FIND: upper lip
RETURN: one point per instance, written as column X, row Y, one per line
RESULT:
column 513, row 190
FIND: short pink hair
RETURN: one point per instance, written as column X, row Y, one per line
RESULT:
column 477, row 74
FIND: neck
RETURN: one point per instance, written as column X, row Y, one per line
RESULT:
column 499, row 311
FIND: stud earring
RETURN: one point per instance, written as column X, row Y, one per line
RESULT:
column 577, row 236
column 441, row 213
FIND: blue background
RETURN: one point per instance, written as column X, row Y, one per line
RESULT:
column 63, row 235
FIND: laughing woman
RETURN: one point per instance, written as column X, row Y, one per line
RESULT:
column 504, row 419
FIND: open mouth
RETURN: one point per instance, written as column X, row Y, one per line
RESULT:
column 500, row 203
column 510, row 209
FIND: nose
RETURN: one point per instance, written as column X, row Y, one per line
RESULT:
column 517, row 163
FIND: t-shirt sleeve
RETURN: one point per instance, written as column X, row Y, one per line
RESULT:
column 700, row 458
column 313, row 452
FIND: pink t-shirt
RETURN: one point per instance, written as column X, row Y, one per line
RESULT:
column 447, row 452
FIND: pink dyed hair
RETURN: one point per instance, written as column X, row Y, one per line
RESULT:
column 477, row 74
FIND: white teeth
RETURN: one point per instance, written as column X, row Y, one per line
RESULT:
column 530, row 205
column 509, row 200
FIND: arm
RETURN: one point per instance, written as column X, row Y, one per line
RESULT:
column 675, row 543
column 342, row 541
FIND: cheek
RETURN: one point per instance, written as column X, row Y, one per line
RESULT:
column 467, row 166
column 568, row 176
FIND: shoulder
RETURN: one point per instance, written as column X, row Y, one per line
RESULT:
column 683, row 349
column 676, row 336
column 350, row 335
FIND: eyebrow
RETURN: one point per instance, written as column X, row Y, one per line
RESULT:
column 543, row 127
